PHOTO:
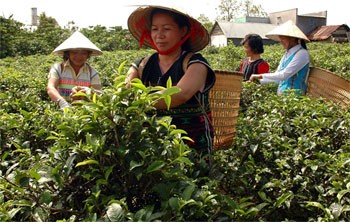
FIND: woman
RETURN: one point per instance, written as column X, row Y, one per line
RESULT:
column 174, row 34
column 74, row 73
column 293, row 68
column 253, row 64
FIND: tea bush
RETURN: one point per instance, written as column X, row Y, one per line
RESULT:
column 110, row 160
column 290, row 157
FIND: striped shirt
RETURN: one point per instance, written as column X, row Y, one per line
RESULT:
column 67, row 79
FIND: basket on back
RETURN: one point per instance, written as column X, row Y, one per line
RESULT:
column 322, row 83
column 224, row 100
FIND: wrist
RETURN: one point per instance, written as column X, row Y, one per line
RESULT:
column 62, row 103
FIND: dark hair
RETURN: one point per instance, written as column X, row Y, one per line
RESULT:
column 254, row 42
column 303, row 43
column 65, row 55
column 181, row 20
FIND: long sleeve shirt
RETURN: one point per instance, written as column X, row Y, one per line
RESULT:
column 300, row 59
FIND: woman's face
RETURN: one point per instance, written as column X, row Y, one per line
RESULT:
column 284, row 41
column 165, row 32
column 248, row 51
column 288, row 42
column 78, row 57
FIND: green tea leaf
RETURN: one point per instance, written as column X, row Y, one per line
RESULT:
column 45, row 197
column 134, row 164
column 342, row 193
column 121, row 66
column 186, row 195
column 156, row 165
column 86, row 162
column 315, row 204
column 283, row 198
column 139, row 86
column 169, row 83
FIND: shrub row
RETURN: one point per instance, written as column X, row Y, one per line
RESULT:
column 108, row 160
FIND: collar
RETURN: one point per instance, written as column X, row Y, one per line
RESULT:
column 67, row 63
column 293, row 49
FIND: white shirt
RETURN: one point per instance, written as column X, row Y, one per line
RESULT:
column 300, row 59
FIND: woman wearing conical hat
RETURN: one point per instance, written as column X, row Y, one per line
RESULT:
column 293, row 68
column 74, row 73
column 176, row 37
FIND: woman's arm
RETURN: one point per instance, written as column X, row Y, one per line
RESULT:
column 298, row 62
column 193, row 81
column 132, row 74
column 52, row 89
column 54, row 94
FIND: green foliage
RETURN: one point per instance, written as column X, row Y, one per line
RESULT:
column 205, row 22
column 10, row 31
column 116, row 152
column 250, row 9
column 105, row 158
column 110, row 159
column 16, row 40
column 332, row 57
column 229, row 9
column 291, row 155
column 114, row 38
column 107, row 64
column 225, row 58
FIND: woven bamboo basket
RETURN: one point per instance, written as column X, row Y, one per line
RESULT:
column 323, row 83
column 224, row 100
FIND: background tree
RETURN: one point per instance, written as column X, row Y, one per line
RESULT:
column 250, row 9
column 71, row 26
column 229, row 9
column 49, row 34
column 110, row 39
column 18, row 40
column 205, row 22
column 10, row 32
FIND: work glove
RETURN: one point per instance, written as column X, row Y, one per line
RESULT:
column 63, row 104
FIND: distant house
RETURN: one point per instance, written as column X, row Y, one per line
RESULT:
column 223, row 32
column 306, row 22
column 331, row 33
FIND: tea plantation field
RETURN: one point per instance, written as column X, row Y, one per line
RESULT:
column 290, row 159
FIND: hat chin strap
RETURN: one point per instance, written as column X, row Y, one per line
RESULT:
column 194, row 32
column 167, row 52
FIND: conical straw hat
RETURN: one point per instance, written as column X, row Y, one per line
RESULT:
column 77, row 41
column 139, row 21
column 286, row 29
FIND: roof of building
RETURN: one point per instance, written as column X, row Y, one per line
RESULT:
column 325, row 31
column 239, row 30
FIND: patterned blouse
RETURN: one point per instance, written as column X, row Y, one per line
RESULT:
column 67, row 79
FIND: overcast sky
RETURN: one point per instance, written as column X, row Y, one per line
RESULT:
column 115, row 12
